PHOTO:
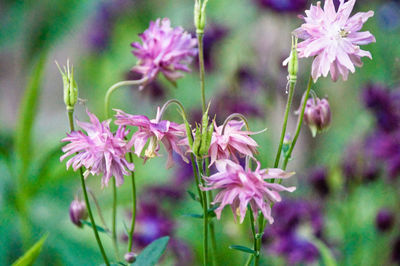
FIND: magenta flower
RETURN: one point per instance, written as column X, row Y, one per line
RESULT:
column 242, row 187
column 234, row 141
column 100, row 152
column 164, row 49
column 334, row 39
column 169, row 133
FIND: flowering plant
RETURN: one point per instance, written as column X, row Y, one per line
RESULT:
column 331, row 36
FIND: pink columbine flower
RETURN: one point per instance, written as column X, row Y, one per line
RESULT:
column 169, row 133
column 164, row 49
column 241, row 187
column 233, row 142
column 334, row 39
column 100, row 151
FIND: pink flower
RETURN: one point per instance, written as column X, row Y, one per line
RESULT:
column 242, row 187
column 334, row 39
column 233, row 141
column 169, row 133
column 164, row 49
column 100, row 152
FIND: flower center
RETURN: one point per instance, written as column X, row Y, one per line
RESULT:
column 150, row 151
column 343, row 33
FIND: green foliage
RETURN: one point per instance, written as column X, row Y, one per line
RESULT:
column 152, row 253
column 30, row 256
column 243, row 249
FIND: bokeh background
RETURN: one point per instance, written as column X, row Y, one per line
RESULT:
column 348, row 192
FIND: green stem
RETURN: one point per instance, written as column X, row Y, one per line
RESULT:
column 85, row 194
column 261, row 227
column 299, row 123
column 133, row 208
column 114, row 219
column 285, row 121
column 253, row 230
column 196, row 177
column 201, row 68
column 205, row 216
column 116, row 86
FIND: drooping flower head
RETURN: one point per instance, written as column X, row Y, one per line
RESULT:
column 334, row 39
column 157, row 130
column 241, row 187
column 164, row 49
column 232, row 142
column 100, row 151
column 317, row 115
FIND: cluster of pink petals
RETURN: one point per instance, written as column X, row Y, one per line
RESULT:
column 234, row 141
column 164, row 49
column 240, row 187
column 334, row 39
column 100, row 151
column 169, row 133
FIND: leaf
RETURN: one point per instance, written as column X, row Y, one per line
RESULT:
column 99, row 228
column 193, row 196
column 326, row 255
column 193, row 215
column 152, row 253
column 242, row 249
column 27, row 112
column 30, row 256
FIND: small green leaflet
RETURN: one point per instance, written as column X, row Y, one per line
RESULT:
column 242, row 249
column 30, row 256
column 152, row 253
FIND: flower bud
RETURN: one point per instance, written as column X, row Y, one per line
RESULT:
column 70, row 87
column 317, row 115
column 200, row 15
column 292, row 62
column 130, row 257
column 77, row 212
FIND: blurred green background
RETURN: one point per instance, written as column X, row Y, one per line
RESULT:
column 245, row 42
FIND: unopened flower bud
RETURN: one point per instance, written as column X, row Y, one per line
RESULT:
column 70, row 87
column 200, row 15
column 317, row 115
column 77, row 212
column 130, row 257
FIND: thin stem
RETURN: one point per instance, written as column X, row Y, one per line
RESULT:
column 132, row 230
column 201, row 68
column 285, row 121
column 116, row 86
column 261, row 227
column 205, row 216
column 299, row 123
column 211, row 223
column 96, row 203
column 114, row 219
column 85, row 194
column 196, row 177
column 253, row 230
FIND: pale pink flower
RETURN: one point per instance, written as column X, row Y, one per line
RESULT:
column 167, row 132
column 233, row 142
column 100, row 151
column 334, row 39
column 164, row 49
column 240, row 187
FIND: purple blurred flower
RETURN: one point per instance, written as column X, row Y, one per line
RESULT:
column 234, row 141
column 319, row 181
column 334, row 39
column 212, row 36
column 164, row 49
column 169, row 133
column 283, row 5
column 151, row 224
column 100, row 151
column 396, row 250
column 240, row 188
column 384, row 220
column 285, row 239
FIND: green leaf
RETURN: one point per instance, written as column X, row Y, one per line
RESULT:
column 326, row 255
column 152, row 253
column 99, row 228
column 193, row 215
column 28, row 111
column 30, row 256
column 193, row 196
column 242, row 249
